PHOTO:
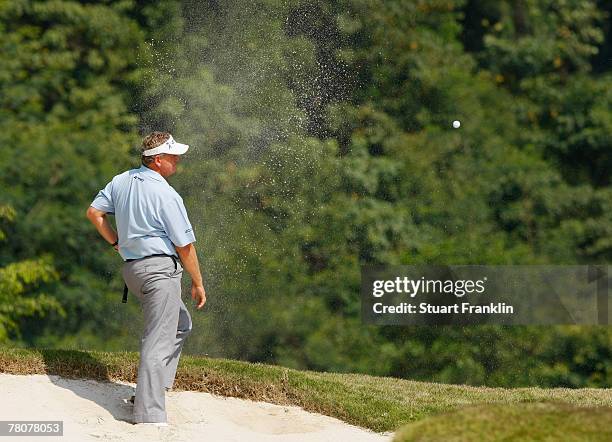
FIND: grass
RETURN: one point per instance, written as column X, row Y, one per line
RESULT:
column 524, row 422
column 377, row 403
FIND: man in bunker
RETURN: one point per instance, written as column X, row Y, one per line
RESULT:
column 155, row 239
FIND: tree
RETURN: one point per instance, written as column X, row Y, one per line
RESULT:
column 65, row 129
column 20, row 288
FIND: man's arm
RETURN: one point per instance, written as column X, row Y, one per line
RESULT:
column 189, row 259
column 100, row 221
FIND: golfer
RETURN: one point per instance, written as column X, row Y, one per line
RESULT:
column 153, row 231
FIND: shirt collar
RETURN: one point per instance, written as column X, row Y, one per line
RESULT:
column 151, row 173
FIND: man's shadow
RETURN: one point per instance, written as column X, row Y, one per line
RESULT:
column 77, row 370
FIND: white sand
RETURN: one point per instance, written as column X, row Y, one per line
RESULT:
column 94, row 410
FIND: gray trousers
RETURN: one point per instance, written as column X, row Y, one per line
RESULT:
column 167, row 323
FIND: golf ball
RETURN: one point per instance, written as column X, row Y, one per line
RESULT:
column 456, row 124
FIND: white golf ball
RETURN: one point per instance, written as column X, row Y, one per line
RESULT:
column 456, row 124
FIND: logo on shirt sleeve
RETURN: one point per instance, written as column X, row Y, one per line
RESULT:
column 188, row 230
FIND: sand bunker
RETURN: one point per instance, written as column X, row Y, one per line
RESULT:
column 93, row 410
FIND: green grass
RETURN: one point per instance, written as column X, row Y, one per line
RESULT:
column 509, row 422
column 380, row 404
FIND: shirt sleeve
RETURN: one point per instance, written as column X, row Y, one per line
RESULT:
column 104, row 200
column 176, row 223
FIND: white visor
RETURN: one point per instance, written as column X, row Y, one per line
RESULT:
column 169, row 146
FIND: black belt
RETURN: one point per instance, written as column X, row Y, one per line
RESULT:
column 125, row 287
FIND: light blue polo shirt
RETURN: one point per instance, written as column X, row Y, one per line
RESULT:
column 150, row 215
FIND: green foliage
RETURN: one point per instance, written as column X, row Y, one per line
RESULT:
column 321, row 141
column 65, row 127
column 393, row 183
column 18, row 284
column 534, row 37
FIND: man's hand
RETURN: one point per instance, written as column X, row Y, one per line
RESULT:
column 189, row 259
column 199, row 294
column 103, row 226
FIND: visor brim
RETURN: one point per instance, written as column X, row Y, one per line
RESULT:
column 179, row 149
